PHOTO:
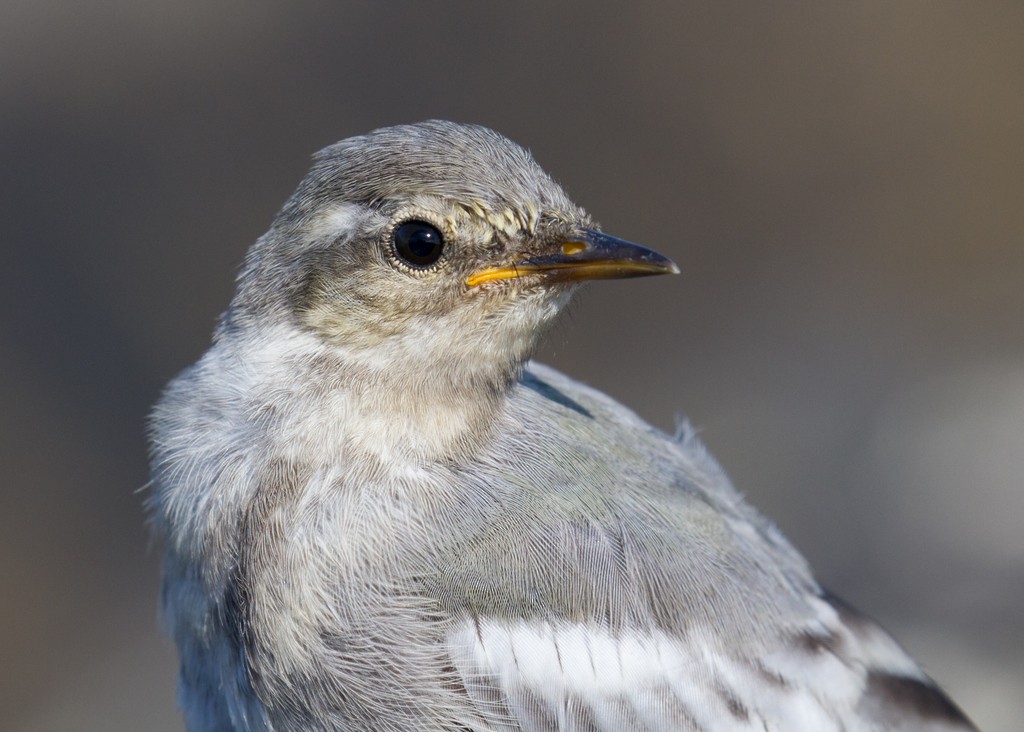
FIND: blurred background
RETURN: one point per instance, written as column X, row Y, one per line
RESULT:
column 842, row 184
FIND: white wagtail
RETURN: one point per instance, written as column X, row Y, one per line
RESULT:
column 379, row 515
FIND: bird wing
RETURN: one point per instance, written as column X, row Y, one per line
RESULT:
column 842, row 673
column 631, row 589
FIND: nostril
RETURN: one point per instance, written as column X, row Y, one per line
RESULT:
column 573, row 247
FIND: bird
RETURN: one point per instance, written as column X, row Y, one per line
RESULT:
column 379, row 513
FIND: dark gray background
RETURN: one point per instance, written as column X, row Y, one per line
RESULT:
column 842, row 184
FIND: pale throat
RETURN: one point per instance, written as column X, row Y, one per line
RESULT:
column 428, row 390
column 394, row 406
column 429, row 412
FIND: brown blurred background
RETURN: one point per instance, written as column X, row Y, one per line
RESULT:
column 842, row 183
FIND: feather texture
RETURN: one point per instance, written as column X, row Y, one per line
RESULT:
column 377, row 516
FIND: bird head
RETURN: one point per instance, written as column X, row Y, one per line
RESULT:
column 434, row 246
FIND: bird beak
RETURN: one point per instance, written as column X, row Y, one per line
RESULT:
column 589, row 256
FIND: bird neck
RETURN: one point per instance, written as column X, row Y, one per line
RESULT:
column 334, row 403
column 402, row 421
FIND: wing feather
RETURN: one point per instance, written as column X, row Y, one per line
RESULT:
column 839, row 673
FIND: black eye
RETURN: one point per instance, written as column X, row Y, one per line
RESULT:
column 418, row 244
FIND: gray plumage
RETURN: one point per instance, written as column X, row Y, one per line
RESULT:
column 378, row 515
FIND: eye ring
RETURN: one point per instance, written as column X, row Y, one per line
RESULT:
column 417, row 244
